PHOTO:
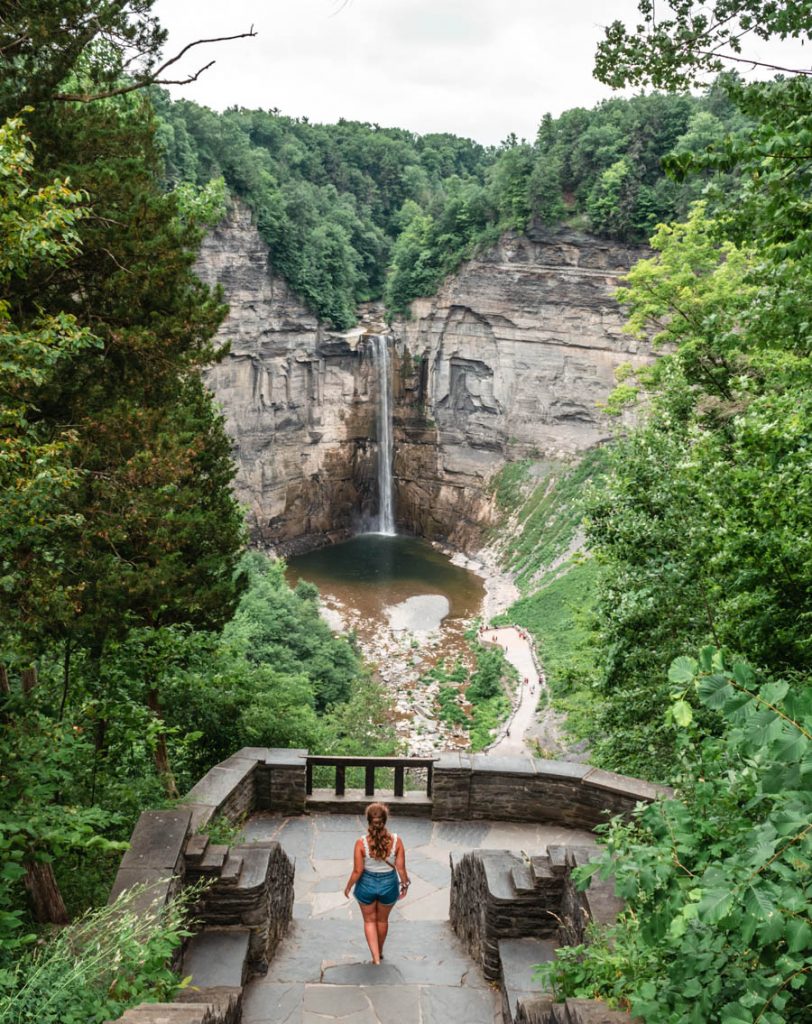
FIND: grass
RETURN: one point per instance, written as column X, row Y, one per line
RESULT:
column 96, row 967
column 558, row 596
column 550, row 518
column 510, row 484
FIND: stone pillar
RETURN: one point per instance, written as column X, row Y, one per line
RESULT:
column 451, row 787
column 282, row 781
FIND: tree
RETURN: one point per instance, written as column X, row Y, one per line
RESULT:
column 717, row 878
column 83, row 51
column 38, row 230
column 696, row 39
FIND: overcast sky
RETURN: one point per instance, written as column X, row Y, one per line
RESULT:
column 478, row 68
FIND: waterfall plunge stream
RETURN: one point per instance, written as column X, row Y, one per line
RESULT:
column 386, row 513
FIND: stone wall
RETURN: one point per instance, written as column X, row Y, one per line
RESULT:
column 470, row 786
column 247, row 904
column 496, row 895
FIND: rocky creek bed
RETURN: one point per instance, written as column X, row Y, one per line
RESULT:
column 405, row 640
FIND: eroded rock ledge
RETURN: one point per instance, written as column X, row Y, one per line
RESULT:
column 510, row 359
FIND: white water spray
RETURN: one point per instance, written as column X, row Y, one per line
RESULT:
column 386, row 514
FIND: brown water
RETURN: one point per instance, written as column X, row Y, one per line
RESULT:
column 401, row 582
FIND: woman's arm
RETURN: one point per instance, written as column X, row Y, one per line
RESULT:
column 357, row 866
column 400, row 866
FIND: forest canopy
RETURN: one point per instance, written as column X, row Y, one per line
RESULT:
column 353, row 212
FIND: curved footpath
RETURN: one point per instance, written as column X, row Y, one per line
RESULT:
column 519, row 652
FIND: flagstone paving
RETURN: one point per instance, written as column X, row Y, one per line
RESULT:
column 322, row 971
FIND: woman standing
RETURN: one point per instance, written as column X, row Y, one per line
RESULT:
column 379, row 876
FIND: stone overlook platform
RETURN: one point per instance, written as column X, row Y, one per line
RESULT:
column 490, row 844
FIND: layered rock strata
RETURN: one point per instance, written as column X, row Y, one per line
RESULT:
column 298, row 400
column 512, row 358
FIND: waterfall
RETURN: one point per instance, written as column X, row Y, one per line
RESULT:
column 386, row 514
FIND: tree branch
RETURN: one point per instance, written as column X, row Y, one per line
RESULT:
column 154, row 77
column 753, row 63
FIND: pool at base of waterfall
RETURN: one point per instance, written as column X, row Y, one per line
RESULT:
column 402, row 582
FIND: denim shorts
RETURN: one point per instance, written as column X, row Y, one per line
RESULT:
column 382, row 886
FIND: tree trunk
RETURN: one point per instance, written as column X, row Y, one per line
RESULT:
column 29, row 679
column 5, row 688
column 65, row 678
column 161, row 753
column 46, row 899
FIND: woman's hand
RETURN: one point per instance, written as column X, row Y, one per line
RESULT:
column 404, row 889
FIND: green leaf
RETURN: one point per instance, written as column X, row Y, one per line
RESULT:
column 683, row 713
column 757, row 903
column 683, row 669
column 799, row 935
column 706, row 658
column 715, row 906
column 715, row 691
column 735, row 1013
column 744, row 675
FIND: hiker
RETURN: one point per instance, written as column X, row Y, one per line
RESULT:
column 379, row 876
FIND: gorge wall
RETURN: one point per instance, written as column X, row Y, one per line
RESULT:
column 298, row 400
column 510, row 359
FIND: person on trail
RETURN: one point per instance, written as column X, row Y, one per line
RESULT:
column 379, row 876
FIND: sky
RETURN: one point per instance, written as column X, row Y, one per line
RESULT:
column 477, row 68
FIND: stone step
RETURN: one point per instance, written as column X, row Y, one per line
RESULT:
column 557, row 856
column 498, row 865
column 196, row 848
column 165, row 1013
column 225, row 1001
column 549, row 882
column 524, row 880
column 542, row 869
column 255, row 861
column 518, row 957
column 231, row 870
column 217, row 958
column 212, row 860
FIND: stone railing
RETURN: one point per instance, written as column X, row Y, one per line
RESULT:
column 522, row 788
column 248, row 904
column 398, row 765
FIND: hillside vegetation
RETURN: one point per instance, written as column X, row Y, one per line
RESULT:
column 684, row 640
column 354, row 211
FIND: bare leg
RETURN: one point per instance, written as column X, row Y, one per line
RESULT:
column 382, row 922
column 370, row 914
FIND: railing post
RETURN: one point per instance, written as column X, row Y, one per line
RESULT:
column 369, row 773
column 340, row 770
column 429, row 774
column 309, row 779
column 399, row 772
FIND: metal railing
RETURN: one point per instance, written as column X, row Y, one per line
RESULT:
column 369, row 764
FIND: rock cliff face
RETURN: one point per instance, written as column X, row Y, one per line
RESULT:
column 508, row 360
column 299, row 401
